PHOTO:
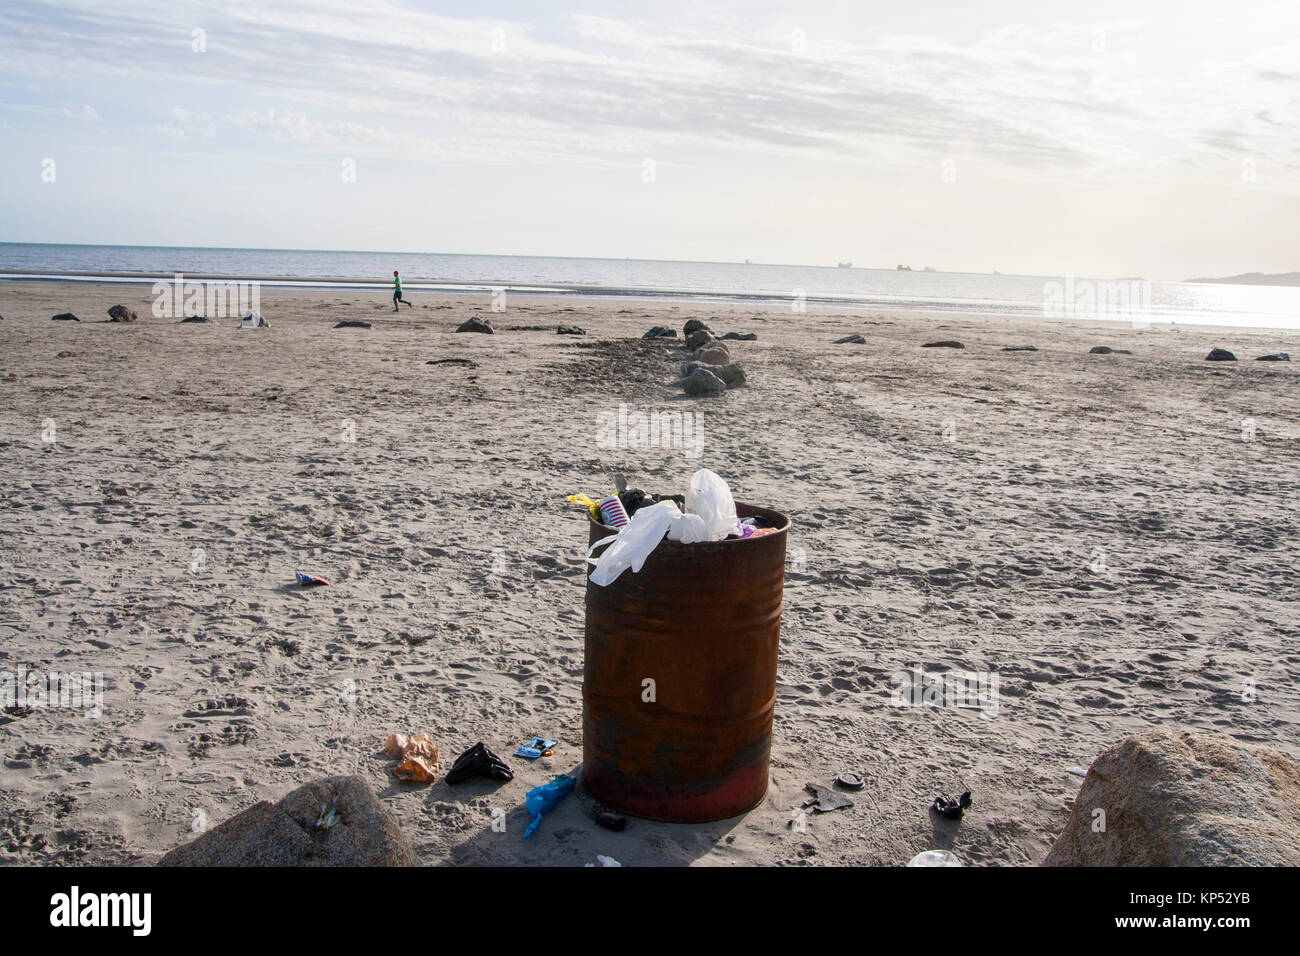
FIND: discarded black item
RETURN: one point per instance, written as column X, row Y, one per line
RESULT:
column 65, row 317
column 741, row 336
column 352, row 325
column 660, row 332
column 478, row 761
column 1020, row 348
column 1275, row 357
column 825, row 799
column 850, row 781
column 610, row 821
column 570, row 330
column 954, row 808
column 1107, row 350
column 634, row 499
column 1220, row 355
column 945, row 344
column 854, row 339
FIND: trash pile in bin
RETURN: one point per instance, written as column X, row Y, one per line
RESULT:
column 706, row 513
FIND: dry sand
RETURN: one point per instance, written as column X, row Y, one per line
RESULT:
column 1098, row 532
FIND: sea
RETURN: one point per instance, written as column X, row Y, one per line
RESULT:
column 806, row 288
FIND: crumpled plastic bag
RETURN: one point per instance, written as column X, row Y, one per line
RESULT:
column 544, row 799
column 418, row 755
column 710, row 498
column 688, row 529
column 633, row 543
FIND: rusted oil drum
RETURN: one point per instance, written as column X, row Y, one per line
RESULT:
column 703, row 622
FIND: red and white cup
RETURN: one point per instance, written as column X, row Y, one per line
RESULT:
column 612, row 511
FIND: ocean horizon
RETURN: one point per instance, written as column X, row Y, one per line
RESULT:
column 1133, row 300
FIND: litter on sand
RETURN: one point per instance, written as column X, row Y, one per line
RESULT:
column 537, row 747
column 952, row 808
column 310, row 580
column 934, row 858
column 418, row 757
column 610, row 821
column 850, row 781
column 825, row 799
column 478, row 761
column 542, row 800
column 602, row 860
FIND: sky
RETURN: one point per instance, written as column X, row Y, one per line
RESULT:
column 1152, row 139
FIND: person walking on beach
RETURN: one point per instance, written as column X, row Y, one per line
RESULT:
column 397, row 293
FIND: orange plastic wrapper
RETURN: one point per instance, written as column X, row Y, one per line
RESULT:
column 418, row 755
column 416, row 769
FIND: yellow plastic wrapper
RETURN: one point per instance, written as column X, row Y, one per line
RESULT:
column 593, row 508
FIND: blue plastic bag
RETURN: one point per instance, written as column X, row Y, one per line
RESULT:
column 544, row 799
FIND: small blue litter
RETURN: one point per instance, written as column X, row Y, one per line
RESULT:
column 544, row 799
column 535, row 748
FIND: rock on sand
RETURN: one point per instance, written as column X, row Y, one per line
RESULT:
column 715, row 354
column 703, row 382
column 286, row 834
column 476, row 325
column 697, row 338
column 1220, row 355
column 1191, row 799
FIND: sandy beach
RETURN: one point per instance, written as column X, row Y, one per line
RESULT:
column 1113, row 536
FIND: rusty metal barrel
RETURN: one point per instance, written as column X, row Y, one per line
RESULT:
column 679, row 681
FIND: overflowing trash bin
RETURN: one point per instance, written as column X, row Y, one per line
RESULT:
column 680, row 673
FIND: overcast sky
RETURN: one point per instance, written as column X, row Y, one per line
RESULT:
column 1158, row 139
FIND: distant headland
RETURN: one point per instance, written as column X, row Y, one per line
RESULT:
column 1257, row 278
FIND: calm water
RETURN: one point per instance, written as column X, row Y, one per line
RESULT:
column 1052, row 296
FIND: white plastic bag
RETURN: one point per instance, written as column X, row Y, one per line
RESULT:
column 710, row 498
column 688, row 529
column 634, row 542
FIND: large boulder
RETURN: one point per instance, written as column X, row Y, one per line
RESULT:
column 703, row 382
column 363, row 832
column 697, row 338
column 1190, row 799
column 733, row 375
column 714, row 354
